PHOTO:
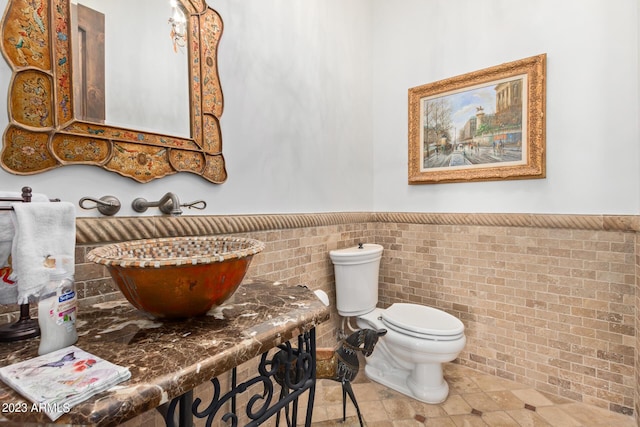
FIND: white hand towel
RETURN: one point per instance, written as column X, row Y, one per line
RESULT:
column 42, row 230
column 8, row 288
column 6, row 224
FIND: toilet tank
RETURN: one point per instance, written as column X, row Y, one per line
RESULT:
column 356, row 271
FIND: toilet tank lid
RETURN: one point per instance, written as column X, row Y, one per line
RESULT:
column 365, row 249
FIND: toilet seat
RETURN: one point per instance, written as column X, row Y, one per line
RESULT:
column 422, row 322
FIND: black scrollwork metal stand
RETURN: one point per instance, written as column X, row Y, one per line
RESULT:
column 294, row 369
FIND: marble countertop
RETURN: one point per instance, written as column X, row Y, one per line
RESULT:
column 167, row 359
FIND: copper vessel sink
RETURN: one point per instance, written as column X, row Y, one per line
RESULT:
column 178, row 277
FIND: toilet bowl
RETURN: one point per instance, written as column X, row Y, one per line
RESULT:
column 409, row 357
column 419, row 338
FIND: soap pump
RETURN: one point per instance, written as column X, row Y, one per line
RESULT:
column 57, row 310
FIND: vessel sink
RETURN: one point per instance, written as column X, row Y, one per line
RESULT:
column 178, row 277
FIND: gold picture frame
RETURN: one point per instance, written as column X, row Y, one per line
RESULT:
column 482, row 126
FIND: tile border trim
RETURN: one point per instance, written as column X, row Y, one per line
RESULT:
column 105, row 230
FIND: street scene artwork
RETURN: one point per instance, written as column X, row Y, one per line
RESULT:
column 474, row 127
column 480, row 126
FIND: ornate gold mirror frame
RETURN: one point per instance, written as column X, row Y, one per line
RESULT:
column 43, row 132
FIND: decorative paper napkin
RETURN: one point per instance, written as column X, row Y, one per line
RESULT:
column 59, row 380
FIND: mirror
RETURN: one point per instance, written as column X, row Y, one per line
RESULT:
column 45, row 131
column 103, row 31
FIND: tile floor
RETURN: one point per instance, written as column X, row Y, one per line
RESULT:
column 475, row 399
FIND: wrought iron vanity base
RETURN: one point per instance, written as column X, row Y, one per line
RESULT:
column 294, row 369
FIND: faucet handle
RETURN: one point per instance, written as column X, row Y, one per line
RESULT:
column 106, row 205
column 198, row 204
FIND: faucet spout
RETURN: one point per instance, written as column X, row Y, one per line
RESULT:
column 168, row 204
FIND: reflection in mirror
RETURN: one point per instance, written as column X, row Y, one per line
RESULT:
column 88, row 63
column 56, row 120
column 140, row 34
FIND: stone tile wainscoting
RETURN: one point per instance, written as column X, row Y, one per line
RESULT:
column 547, row 300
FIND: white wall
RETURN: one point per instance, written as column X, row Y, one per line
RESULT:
column 315, row 113
column 592, row 98
column 296, row 125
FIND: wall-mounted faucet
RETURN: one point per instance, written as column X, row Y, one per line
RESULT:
column 168, row 204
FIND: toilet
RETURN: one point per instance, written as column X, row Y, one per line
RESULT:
column 419, row 338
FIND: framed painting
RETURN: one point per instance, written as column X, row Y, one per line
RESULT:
column 482, row 126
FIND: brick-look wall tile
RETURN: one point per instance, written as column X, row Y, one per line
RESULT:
column 636, row 376
column 550, row 308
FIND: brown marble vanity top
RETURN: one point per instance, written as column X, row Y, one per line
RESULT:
column 167, row 359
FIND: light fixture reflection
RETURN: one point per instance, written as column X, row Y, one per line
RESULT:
column 178, row 22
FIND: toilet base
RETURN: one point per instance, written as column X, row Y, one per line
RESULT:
column 399, row 380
